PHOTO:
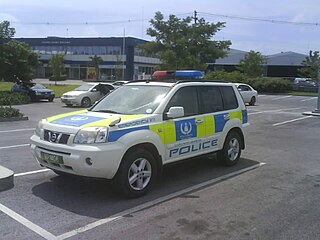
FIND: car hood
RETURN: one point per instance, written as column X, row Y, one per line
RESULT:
column 74, row 93
column 41, row 90
column 73, row 121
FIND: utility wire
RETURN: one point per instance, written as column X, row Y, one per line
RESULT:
column 255, row 19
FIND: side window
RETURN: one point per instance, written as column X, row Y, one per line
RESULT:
column 210, row 99
column 187, row 98
column 245, row 88
column 229, row 98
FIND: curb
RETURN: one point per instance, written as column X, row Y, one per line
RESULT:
column 6, row 178
column 14, row 119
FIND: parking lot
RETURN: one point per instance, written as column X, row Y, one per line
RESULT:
column 273, row 192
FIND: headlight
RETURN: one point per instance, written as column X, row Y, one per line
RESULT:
column 91, row 135
column 39, row 129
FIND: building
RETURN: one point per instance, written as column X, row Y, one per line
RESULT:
column 122, row 58
column 284, row 64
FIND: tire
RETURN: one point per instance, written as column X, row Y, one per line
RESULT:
column 139, row 165
column 85, row 102
column 252, row 101
column 50, row 99
column 230, row 154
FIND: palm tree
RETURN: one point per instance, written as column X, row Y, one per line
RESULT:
column 96, row 60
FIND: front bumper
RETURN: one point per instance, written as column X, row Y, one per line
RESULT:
column 105, row 158
column 73, row 101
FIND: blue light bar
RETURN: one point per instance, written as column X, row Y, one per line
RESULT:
column 189, row 73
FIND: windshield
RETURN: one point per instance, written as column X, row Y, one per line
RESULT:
column 85, row 87
column 132, row 100
column 38, row 86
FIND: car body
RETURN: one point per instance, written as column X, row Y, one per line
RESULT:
column 307, row 83
column 138, row 128
column 248, row 93
column 35, row 91
column 86, row 94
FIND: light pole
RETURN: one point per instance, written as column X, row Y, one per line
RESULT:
column 317, row 110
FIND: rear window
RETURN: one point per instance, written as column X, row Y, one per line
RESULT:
column 229, row 98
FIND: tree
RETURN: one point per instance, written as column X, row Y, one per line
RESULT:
column 57, row 67
column 16, row 58
column 182, row 44
column 311, row 66
column 96, row 61
column 251, row 64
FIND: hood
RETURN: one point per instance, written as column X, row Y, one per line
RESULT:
column 41, row 90
column 84, row 118
column 74, row 93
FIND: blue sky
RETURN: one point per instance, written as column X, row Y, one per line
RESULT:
column 265, row 37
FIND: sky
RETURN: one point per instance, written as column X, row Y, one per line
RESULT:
column 103, row 18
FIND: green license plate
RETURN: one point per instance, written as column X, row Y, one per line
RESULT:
column 52, row 158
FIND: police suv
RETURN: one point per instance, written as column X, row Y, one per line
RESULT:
column 130, row 134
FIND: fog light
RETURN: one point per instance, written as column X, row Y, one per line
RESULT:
column 89, row 161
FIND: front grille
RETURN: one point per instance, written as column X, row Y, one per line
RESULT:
column 56, row 137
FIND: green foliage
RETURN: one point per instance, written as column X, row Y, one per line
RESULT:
column 267, row 84
column 16, row 58
column 8, row 112
column 8, row 98
column 311, row 66
column 251, row 64
column 96, row 61
column 57, row 67
column 181, row 44
column 227, row 76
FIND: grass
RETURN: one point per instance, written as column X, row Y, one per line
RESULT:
column 58, row 89
column 303, row 93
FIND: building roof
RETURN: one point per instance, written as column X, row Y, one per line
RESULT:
column 280, row 59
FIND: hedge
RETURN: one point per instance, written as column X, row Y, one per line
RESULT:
column 261, row 84
column 8, row 98
column 8, row 112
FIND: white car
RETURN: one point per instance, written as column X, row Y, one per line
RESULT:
column 86, row 94
column 248, row 94
column 139, row 127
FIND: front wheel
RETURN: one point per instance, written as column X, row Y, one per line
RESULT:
column 137, row 173
column 230, row 154
column 85, row 102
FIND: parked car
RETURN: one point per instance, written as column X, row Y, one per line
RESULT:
column 307, row 83
column 248, row 94
column 35, row 91
column 86, row 94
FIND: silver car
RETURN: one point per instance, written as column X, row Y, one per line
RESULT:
column 86, row 94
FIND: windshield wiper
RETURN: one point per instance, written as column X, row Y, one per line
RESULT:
column 107, row 111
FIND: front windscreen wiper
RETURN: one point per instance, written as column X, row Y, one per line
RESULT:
column 107, row 111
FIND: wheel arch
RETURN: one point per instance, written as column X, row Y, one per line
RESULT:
column 239, row 131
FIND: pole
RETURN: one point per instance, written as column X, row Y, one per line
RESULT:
column 317, row 110
column 123, row 47
column 195, row 17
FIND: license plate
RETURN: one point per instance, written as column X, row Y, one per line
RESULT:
column 52, row 158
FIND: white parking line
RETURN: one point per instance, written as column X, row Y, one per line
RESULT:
column 276, row 110
column 15, row 146
column 155, row 202
column 18, row 130
column 290, row 121
column 282, row 97
column 308, row 99
column 33, row 227
column 31, row 172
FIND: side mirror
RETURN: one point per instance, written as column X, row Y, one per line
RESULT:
column 175, row 112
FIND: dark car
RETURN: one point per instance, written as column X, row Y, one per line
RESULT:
column 35, row 91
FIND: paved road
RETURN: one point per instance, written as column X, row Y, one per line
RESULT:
column 272, row 194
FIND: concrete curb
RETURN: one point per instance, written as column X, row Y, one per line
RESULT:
column 6, row 178
column 311, row 114
column 24, row 118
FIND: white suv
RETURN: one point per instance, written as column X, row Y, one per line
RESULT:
column 131, row 133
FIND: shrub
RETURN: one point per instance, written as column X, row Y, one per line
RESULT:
column 8, row 98
column 266, row 84
column 8, row 112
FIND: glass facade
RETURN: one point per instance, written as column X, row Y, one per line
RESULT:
column 78, row 50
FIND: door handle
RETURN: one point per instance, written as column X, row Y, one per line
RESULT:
column 199, row 121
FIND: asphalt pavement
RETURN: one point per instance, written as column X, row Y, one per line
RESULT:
column 273, row 193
